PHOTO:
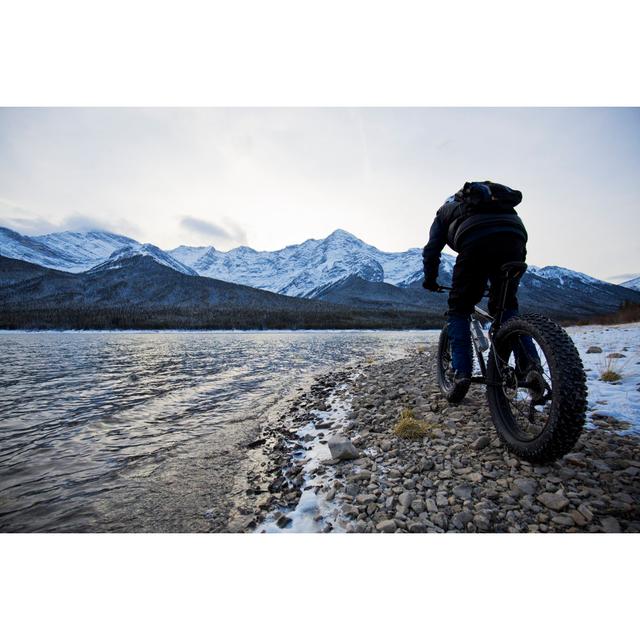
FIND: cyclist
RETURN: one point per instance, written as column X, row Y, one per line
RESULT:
column 481, row 224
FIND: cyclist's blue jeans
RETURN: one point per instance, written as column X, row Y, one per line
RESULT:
column 459, row 329
column 525, row 352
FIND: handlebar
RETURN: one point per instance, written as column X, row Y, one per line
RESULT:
column 444, row 289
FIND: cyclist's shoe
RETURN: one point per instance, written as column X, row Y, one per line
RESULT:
column 533, row 367
column 533, row 380
column 460, row 377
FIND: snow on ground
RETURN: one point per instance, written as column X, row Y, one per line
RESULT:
column 620, row 400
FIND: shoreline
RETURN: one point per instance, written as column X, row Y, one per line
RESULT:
column 458, row 478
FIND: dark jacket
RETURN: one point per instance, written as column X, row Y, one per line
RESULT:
column 459, row 223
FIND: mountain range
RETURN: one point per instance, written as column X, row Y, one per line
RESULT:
column 102, row 270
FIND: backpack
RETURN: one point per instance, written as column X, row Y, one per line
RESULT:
column 490, row 196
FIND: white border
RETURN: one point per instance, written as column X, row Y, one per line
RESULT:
column 319, row 53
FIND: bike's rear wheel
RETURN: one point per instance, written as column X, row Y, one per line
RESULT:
column 452, row 391
column 539, row 416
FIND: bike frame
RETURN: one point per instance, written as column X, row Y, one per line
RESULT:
column 511, row 272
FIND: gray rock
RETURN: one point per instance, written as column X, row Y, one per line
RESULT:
column 463, row 492
column 407, row 498
column 360, row 476
column 578, row 518
column 386, row 526
column 431, row 505
column 426, row 465
column 240, row 524
column 283, row 521
column 352, row 489
column 555, row 501
column 563, row 520
column 586, row 512
column 481, row 443
column 526, row 485
column 441, row 500
column 342, row 448
column 594, row 349
column 440, row 520
column 482, row 522
column 460, row 520
column 610, row 525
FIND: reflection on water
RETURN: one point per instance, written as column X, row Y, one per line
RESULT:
column 139, row 431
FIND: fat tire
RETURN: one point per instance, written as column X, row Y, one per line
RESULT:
column 454, row 393
column 569, row 391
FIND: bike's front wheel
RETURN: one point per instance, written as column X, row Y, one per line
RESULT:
column 536, row 388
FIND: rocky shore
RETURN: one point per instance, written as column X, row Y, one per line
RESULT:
column 458, row 478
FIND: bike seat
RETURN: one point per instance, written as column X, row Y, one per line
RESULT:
column 513, row 270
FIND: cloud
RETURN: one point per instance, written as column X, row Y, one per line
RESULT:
column 231, row 232
column 28, row 222
column 28, row 226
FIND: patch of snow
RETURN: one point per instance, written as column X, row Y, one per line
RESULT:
column 620, row 400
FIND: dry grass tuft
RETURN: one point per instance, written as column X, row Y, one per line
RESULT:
column 610, row 371
column 409, row 427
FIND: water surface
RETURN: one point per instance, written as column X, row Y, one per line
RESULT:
column 146, row 431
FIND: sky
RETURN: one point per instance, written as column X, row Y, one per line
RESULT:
column 271, row 177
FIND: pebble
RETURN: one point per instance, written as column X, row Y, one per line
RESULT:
column 555, row 501
column 526, row 485
column 387, row 526
column 481, row 443
column 610, row 525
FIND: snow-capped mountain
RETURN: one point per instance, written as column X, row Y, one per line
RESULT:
column 85, row 249
column 634, row 283
column 66, row 251
column 300, row 270
column 119, row 257
column 562, row 275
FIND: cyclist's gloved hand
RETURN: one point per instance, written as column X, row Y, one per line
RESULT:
column 431, row 284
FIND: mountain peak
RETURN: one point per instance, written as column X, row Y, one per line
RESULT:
column 341, row 233
column 147, row 250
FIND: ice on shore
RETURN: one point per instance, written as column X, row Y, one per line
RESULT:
column 313, row 512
